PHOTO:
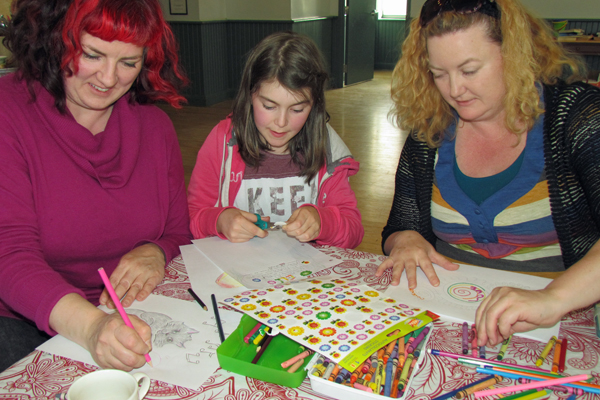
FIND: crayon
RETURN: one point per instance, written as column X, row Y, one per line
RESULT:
column 417, row 351
column 404, row 375
column 295, row 365
column 295, row 359
column 366, row 365
column 319, row 362
column 380, row 368
column 483, row 385
column 556, row 358
column 262, row 332
column 563, row 355
column 401, row 353
column 334, row 373
column 474, row 346
column 342, row 375
column 373, row 369
column 318, row 370
column 465, row 337
column 356, row 374
column 420, row 337
column 545, row 352
column 503, row 348
column 248, row 337
column 389, row 376
column 256, row 333
column 329, row 370
column 482, row 352
column 388, row 351
column 362, row 387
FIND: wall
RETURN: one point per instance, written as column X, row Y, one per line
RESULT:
column 249, row 10
column 551, row 9
column 4, row 10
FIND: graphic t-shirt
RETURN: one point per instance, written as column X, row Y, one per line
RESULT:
column 274, row 189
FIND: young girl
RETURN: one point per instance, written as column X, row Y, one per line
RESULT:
column 276, row 156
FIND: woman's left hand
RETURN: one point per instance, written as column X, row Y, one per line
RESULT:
column 304, row 224
column 510, row 310
column 137, row 274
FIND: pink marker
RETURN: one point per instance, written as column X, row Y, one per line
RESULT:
column 115, row 299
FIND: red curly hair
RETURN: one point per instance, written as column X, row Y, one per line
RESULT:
column 139, row 22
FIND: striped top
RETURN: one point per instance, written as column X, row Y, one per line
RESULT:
column 514, row 223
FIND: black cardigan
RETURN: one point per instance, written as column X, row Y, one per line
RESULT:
column 572, row 161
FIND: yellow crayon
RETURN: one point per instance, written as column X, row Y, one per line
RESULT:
column 404, row 375
column 546, row 351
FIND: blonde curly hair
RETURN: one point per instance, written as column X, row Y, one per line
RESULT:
column 530, row 54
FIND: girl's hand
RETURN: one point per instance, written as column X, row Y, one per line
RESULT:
column 137, row 274
column 509, row 310
column 113, row 344
column 238, row 226
column 410, row 250
column 304, row 224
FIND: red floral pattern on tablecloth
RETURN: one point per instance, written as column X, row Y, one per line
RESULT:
column 40, row 375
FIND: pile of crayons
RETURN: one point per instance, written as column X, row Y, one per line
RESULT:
column 531, row 379
column 386, row 372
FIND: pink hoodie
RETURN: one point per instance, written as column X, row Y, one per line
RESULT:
column 219, row 171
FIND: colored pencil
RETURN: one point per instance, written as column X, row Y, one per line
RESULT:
column 195, row 296
column 115, row 299
column 585, row 386
column 535, row 395
column 479, row 360
column 218, row 318
column 262, row 349
column 454, row 392
column 526, row 386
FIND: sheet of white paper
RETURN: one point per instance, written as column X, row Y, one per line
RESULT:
column 460, row 293
column 261, row 263
column 206, row 278
column 184, row 340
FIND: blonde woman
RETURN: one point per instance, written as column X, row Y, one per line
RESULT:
column 502, row 167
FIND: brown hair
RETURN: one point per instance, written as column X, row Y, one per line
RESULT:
column 530, row 54
column 295, row 62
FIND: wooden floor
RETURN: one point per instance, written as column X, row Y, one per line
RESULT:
column 359, row 114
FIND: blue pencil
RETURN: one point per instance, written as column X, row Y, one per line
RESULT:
column 454, row 392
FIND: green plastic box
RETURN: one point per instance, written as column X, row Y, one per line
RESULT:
column 236, row 356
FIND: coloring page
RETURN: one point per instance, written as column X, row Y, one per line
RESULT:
column 460, row 292
column 265, row 262
column 184, row 340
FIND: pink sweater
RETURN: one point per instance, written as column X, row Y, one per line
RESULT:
column 218, row 175
column 73, row 202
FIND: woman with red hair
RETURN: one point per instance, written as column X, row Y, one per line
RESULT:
column 91, row 174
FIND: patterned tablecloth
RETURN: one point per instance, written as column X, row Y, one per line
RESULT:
column 41, row 375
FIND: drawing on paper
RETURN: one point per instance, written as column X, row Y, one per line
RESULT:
column 164, row 329
column 467, row 292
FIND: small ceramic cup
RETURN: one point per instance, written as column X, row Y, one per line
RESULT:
column 110, row 384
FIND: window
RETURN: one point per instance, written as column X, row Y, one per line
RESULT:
column 392, row 9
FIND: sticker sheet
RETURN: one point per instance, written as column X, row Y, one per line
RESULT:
column 333, row 316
